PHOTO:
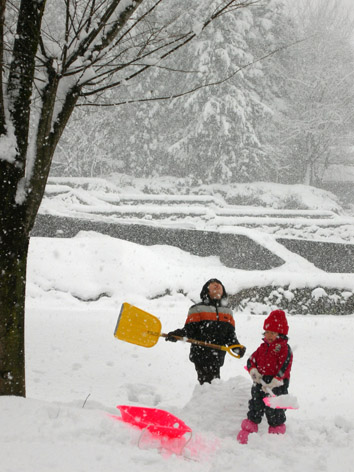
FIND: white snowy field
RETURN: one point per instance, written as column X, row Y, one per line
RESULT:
column 77, row 372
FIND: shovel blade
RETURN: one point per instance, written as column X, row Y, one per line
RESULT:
column 136, row 326
column 283, row 402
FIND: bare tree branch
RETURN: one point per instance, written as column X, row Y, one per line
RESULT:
column 194, row 89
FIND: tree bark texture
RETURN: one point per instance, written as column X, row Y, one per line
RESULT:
column 14, row 219
column 13, row 260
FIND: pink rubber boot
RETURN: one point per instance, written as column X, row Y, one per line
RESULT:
column 247, row 427
column 277, row 429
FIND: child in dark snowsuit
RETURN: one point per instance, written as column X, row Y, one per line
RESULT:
column 269, row 366
column 210, row 321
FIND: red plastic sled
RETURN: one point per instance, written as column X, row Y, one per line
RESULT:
column 157, row 422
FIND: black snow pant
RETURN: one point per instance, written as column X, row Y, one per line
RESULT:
column 257, row 408
column 207, row 363
column 207, row 373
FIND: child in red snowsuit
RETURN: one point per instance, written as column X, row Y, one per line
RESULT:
column 269, row 366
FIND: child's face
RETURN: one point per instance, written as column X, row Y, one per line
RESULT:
column 270, row 336
column 215, row 291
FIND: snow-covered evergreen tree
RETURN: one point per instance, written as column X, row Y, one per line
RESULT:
column 278, row 105
column 217, row 133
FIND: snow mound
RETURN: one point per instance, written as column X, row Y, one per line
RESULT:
column 222, row 400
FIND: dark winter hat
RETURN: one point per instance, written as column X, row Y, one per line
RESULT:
column 204, row 294
column 276, row 322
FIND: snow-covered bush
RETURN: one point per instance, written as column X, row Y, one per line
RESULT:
column 317, row 301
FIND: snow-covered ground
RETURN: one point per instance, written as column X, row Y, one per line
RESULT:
column 77, row 371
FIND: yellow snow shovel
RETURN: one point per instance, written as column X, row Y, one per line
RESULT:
column 139, row 327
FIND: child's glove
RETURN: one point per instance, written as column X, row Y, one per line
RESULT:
column 272, row 384
column 255, row 375
column 171, row 335
column 239, row 351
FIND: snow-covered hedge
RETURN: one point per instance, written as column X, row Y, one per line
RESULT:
column 318, row 301
column 261, row 194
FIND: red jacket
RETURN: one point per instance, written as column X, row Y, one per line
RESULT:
column 273, row 359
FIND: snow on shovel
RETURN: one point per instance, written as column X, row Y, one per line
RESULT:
column 284, row 402
column 139, row 327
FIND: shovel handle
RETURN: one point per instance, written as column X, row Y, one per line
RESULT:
column 203, row 343
column 268, row 390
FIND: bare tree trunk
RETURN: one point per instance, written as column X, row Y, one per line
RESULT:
column 13, row 260
column 2, row 111
column 14, row 221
